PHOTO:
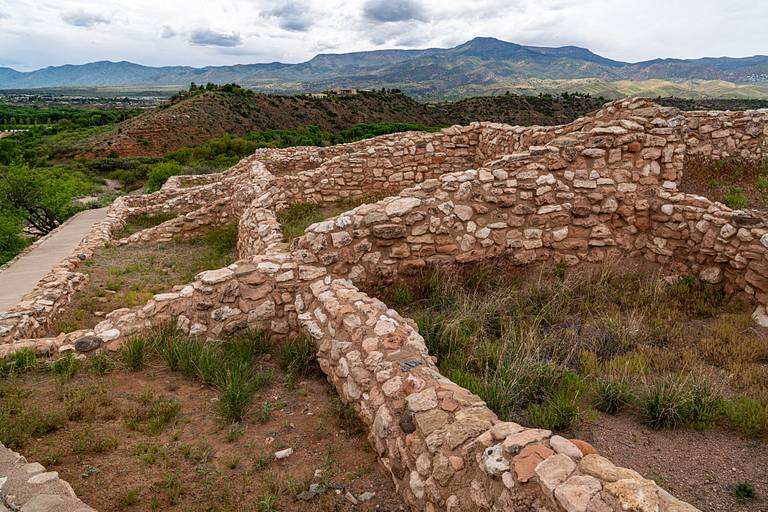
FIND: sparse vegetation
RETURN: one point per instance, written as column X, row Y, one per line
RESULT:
column 119, row 277
column 297, row 356
column 549, row 349
column 744, row 491
column 133, row 352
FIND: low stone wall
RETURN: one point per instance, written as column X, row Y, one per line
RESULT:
column 603, row 186
column 27, row 486
column 727, row 134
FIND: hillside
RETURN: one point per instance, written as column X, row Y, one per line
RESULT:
column 480, row 66
column 210, row 114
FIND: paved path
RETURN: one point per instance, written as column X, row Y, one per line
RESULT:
column 19, row 279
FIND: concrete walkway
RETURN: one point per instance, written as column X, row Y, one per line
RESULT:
column 18, row 279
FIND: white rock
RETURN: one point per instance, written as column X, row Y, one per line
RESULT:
column 494, row 462
column 283, row 454
column 401, row 206
column 109, row 335
column 564, row 446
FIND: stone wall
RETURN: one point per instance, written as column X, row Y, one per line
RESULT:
column 28, row 486
column 601, row 187
column 579, row 198
column 727, row 134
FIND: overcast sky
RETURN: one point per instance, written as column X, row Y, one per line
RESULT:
column 39, row 33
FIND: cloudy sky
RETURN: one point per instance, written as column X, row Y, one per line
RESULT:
column 39, row 33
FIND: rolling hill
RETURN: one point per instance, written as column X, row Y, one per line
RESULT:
column 195, row 119
column 479, row 66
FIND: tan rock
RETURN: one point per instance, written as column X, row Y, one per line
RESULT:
column 634, row 495
column 553, row 471
column 526, row 461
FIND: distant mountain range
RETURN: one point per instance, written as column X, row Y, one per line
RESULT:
column 482, row 65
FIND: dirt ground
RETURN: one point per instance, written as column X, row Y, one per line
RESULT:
column 715, row 180
column 194, row 464
column 700, row 467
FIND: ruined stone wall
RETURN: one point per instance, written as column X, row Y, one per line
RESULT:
column 719, row 135
column 720, row 245
column 28, row 486
column 388, row 165
column 601, row 187
column 581, row 198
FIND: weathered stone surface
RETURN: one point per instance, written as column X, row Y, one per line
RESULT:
column 87, row 343
column 564, row 446
column 575, row 493
column 554, row 470
column 634, row 495
column 520, row 440
column 604, row 469
column 526, row 461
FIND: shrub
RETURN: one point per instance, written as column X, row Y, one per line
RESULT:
column 735, row 199
column 698, row 297
column 703, row 408
column 744, row 491
column 663, row 404
column 297, row 357
column 160, row 174
column 748, row 416
column 133, row 352
column 67, row 366
column 101, row 364
column 612, row 395
column 402, row 296
column 762, row 182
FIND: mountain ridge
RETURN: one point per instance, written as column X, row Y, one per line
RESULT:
column 433, row 71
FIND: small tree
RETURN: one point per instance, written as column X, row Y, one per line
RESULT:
column 42, row 202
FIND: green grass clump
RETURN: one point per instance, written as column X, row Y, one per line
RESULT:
column 135, row 223
column 762, row 182
column 402, row 296
column 298, row 357
column 562, row 409
column 663, row 404
column 86, row 441
column 612, row 395
column 128, row 498
column 744, row 491
column 152, row 415
column 21, row 361
column 735, row 199
column 133, row 352
column 698, row 297
column 101, row 364
column 671, row 403
column 19, row 421
column 704, row 408
column 748, row 416
column 67, row 366
column 227, row 365
column 297, row 218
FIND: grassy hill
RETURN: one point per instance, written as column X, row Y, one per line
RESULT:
column 192, row 119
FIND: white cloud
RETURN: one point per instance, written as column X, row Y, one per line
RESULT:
column 217, row 32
